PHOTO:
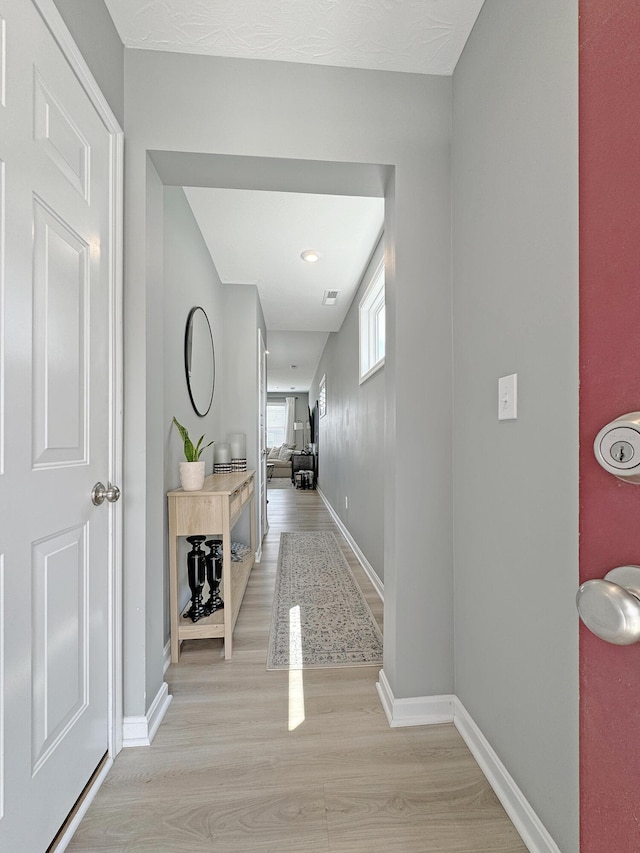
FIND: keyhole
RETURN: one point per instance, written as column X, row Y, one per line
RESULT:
column 621, row 451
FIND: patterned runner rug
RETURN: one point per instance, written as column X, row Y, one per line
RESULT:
column 320, row 617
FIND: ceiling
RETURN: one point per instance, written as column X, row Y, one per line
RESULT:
column 256, row 237
column 419, row 36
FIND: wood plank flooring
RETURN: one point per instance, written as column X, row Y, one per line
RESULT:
column 249, row 760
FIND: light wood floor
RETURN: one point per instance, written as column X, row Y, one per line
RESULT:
column 225, row 773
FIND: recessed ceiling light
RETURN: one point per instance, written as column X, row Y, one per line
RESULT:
column 310, row 256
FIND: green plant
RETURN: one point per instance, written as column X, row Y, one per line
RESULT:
column 191, row 452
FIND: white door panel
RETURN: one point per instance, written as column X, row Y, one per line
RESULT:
column 60, row 341
column 55, row 222
column 60, row 689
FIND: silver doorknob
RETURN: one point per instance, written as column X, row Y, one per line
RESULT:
column 100, row 493
column 610, row 608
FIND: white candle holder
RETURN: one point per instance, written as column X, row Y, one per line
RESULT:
column 222, row 458
column 238, row 443
column 222, row 452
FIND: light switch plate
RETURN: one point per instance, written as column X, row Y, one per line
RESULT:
column 508, row 397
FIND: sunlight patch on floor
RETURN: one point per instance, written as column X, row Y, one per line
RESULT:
column 296, row 678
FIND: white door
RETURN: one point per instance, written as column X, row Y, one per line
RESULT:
column 262, row 440
column 54, row 433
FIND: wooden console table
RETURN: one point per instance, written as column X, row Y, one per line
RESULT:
column 211, row 511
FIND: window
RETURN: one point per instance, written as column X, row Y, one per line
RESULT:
column 276, row 423
column 322, row 397
column 372, row 325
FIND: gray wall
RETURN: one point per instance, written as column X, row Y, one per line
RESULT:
column 94, row 32
column 515, row 295
column 190, row 279
column 142, row 494
column 351, row 435
column 221, row 107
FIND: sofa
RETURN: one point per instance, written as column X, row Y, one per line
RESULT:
column 281, row 459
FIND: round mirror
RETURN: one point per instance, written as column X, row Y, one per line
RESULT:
column 199, row 360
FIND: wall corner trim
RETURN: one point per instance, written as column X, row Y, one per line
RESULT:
column 415, row 711
column 140, row 731
column 431, row 710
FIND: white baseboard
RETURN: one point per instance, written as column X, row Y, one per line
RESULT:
column 431, row 710
column 366, row 565
column 417, row 711
column 526, row 821
column 140, row 731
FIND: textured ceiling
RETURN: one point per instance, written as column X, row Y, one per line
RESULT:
column 421, row 36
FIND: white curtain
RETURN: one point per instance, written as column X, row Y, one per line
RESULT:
column 289, row 419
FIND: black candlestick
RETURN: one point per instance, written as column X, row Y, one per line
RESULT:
column 196, row 572
column 214, row 573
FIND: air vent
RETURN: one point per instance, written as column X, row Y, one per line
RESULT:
column 330, row 297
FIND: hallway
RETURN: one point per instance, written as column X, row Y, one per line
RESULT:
column 225, row 774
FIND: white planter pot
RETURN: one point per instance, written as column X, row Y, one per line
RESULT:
column 191, row 476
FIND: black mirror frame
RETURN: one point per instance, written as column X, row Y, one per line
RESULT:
column 188, row 347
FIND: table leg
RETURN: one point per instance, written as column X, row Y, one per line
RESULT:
column 173, row 585
column 227, row 593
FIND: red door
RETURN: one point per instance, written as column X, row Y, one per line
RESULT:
column 609, row 387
